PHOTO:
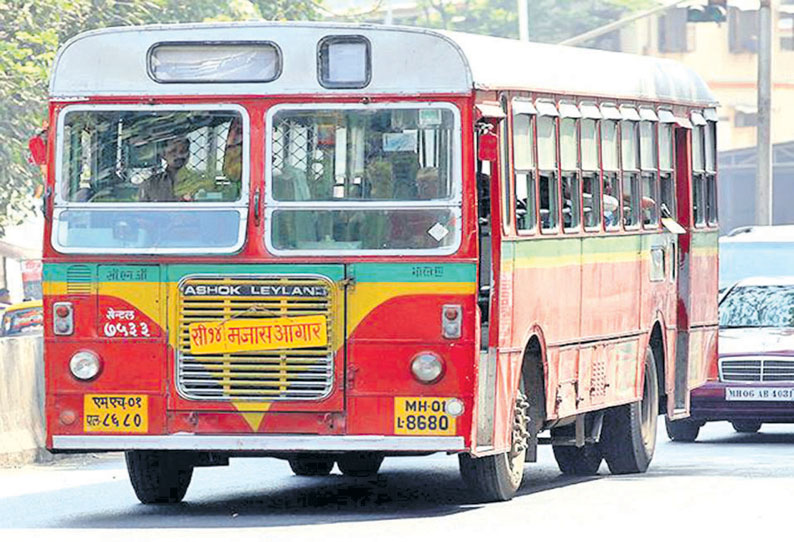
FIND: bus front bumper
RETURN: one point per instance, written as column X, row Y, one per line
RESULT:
column 257, row 443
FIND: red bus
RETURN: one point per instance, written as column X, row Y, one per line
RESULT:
column 334, row 243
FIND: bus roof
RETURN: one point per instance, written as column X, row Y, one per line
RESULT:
column 114, row 62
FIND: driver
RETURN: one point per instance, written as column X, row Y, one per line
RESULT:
column 161, row 186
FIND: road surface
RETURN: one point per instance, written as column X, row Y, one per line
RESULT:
column 725, row 486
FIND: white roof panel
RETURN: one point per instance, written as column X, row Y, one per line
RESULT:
column 405, row 60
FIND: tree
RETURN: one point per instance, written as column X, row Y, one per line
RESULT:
column 549, row 20
column 31, row 32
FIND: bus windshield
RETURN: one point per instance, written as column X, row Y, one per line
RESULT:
column 140, row 179
column 378, row 177
column 150, row 156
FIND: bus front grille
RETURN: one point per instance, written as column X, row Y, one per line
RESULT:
column 267, row 375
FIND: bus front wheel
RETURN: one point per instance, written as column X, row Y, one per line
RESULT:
column 497, row 477
column 360, row 464
column 158, row 477
column 628, row 438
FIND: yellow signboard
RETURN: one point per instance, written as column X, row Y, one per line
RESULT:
column 113, row 413
column 264, row 334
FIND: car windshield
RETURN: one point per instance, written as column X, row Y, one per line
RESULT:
column 151, row 156
column 758, row 306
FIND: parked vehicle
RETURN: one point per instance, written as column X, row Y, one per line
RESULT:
column 756, row 251
column 753, row 381
column 22, row 318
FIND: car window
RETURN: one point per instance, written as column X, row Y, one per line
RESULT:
column 758, row 306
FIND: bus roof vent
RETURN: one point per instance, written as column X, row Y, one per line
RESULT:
column 78, row 279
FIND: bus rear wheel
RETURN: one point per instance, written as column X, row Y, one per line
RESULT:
column 498, row 477
column 360, row 464
column 628, row 438
column 159, row 477
column 584, row 461
column 311, row 465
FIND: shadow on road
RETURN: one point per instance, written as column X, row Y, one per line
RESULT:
column 401, row 494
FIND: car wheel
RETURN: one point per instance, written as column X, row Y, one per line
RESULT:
column 628, row 438
column 744, row 426
column 360, row 464
column 158, row 477
column 497, row 477
column 311, row 465
column 682, row 430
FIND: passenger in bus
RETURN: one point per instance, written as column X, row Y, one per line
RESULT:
column 427, row 183
column 411, row 229
column 161, row 187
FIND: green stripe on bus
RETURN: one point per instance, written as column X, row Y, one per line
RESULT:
column 363, row 272
column 414, row 272
column 705, row 239
column 607, row 244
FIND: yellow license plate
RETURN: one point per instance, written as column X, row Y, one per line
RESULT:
column 422, row 416
column 115, row 413
column 251, row 335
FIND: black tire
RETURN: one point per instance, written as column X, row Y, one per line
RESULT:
column 360, row 464
column 682, row 430
column 311, row 465
column 746, row 426
column 584, row 461
column 498, row 477
column 158, row 477
column 628, row 438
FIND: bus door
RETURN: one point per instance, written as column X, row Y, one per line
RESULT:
column 678, row 401
column 495, row 380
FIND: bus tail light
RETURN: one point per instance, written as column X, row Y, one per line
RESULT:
column 451, row 320
column 63, row 318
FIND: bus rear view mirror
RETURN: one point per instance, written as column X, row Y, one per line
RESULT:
column 488, row 148
column 38, row 150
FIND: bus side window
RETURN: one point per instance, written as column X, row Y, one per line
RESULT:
column 610, row 165
column 524, row 170
column 649, row 165
column 569, row 162
column 591, row 176
column 698, row 176
column 547, row 176
column 711, row 172
column 667, row 177
column 628, row 147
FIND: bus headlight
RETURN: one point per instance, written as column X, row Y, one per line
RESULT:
column 84, row 365
column 427, row 367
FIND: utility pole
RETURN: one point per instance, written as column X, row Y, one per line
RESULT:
column 523, row 20
column 763, row 193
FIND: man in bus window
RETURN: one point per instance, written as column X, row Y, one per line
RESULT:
column 161, row 186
